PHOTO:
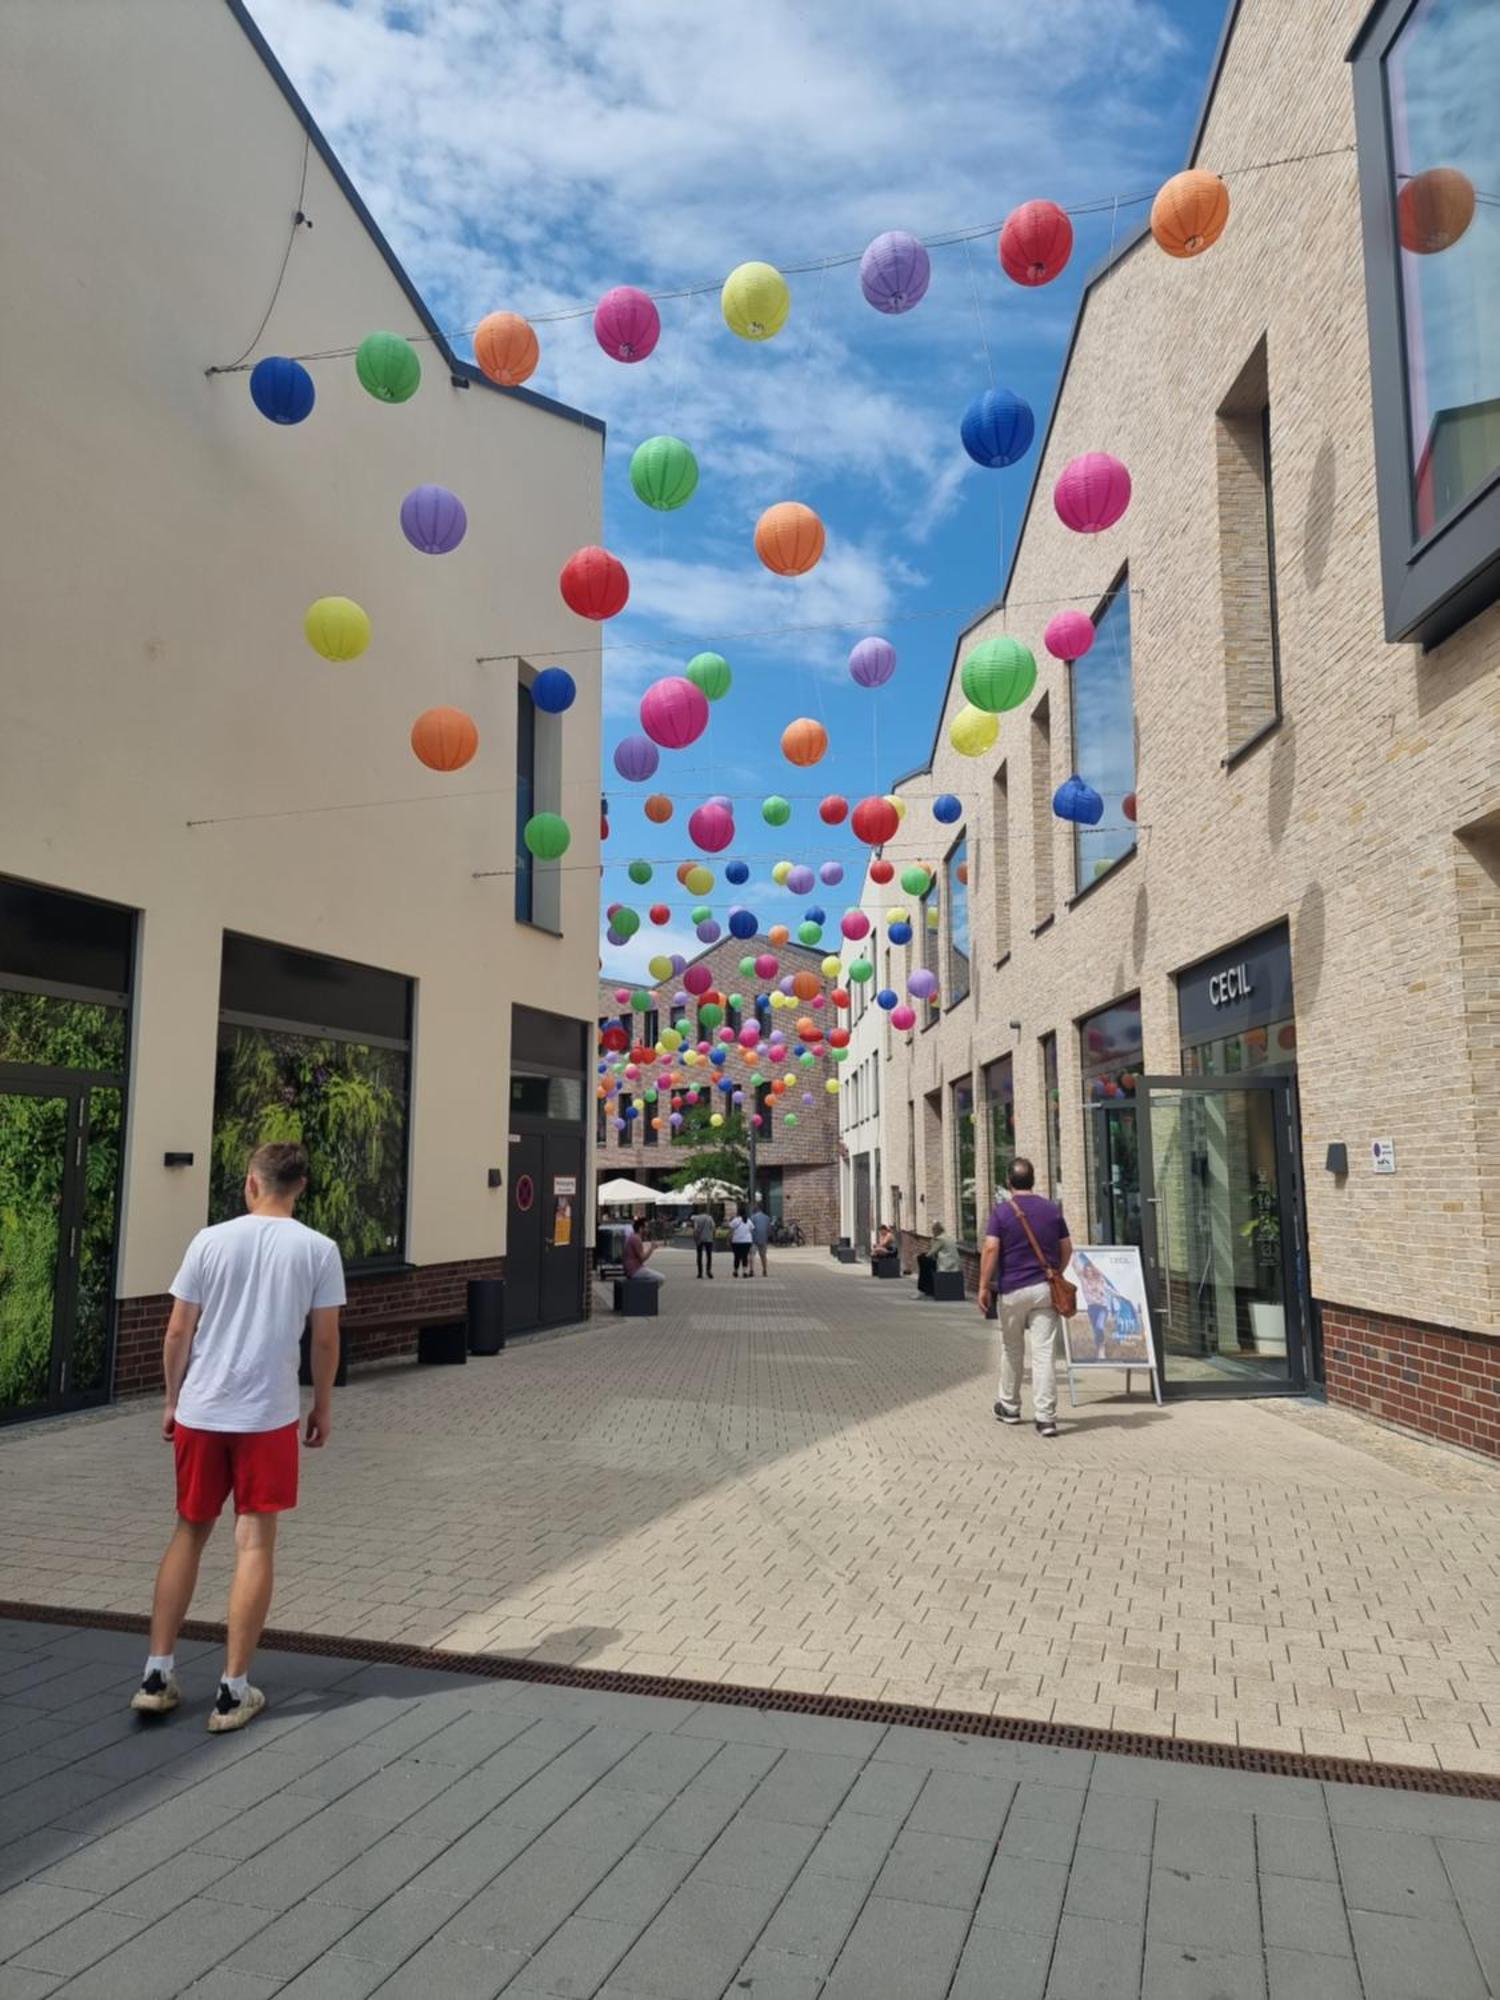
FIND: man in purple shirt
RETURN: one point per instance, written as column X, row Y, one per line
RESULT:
column 1011, row 1267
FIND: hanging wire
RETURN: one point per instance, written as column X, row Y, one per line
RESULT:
column 298, row 219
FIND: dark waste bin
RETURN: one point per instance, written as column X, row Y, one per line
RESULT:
column 486, row 1315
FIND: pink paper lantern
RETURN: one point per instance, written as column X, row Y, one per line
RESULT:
column 626, row 324
column 1069, row 635
column 855, row 925
column 697, row 979
column 622, row 993
column 903, row 1017
column 711, row 827
column 767, row 966
column 1091, row 493
column 674, row 712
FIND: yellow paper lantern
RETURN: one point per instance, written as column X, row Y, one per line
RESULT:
column 832, row 1086
column 337, row 628
column 973, row 731
column 897, row 806
column 716, row 1119
column 832, row 966
column 755, row 301
column 898, row 916
column 698, row 880
column 660, row 967
column 670, row 1041
column 780, row 872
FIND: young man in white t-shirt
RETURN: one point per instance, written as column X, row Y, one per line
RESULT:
column 233, row 1342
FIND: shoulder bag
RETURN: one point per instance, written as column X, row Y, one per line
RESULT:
column 1064, row 1291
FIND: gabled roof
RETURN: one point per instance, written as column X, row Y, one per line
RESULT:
column 463, row 373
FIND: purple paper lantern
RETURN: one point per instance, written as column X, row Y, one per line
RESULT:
column 831, row 872
column 1091, row 493
column 614, row 937
column 709, row 932
column 1069, row 635
column 894, row 272
column 636, row 758
column 433, row 520
column 674, row 712
column 800, row 880
column 626, row 324
column 922, row 984
column 872, row 662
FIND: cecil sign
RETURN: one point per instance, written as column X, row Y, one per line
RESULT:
column 1235, row 984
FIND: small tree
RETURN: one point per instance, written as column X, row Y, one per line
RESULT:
column 712, row 1153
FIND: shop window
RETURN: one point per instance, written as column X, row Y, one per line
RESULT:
column 966, row 1190
column 956, row 875
column 650, row 1111
column 1247, row 559
column 525, row 801
column 1103, row 716
column 1053, row 1108
column 927, row 937
column 1044, row 889
column 1426, row 83
column 1000, row 1116
column 318, row 1050
column 1000, row 862
column 1110, row 1051
column 538, row 789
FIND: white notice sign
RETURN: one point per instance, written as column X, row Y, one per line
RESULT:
column 1383, row 1155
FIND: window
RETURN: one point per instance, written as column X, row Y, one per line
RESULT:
column 926, row 939
column 538, row 789
column 965, row 1189
column 1426, row 82
column 765, row 1104
column 956, row 870
column 1000, row 864
column 1000, row 1112
column 601, row 1121
column 317, row 1050
column 1041, row 811
column 1247, row 558
column 1054, row 1116
column 1104, row 736
column 1111, row 1053
column 525, row 801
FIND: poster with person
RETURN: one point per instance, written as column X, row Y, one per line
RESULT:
column 1112, row 1326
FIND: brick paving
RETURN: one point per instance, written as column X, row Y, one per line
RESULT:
column 799, row 1483
column 385, row 1831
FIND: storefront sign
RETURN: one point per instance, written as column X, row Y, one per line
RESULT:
column 1235, row 984
column 1248, row 985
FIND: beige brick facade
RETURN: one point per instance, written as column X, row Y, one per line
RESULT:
column 1366, row 821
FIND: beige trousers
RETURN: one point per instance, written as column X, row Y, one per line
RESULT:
column 1028, row 1319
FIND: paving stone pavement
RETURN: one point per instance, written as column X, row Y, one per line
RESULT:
column 431, row 1836
column 799, row 1483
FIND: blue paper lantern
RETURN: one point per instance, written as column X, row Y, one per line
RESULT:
column 898, row 933
column 554, row 690
column 947, row 808
column 816, row 915
column 742, row 923
column 282, row 389
column 1078, row 802
column 997, row 428
column 885, row 998
column 737, row 872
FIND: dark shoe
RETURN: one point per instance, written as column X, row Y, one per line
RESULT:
column 158, row 1694
column 1008, row 1413
column 1047, row 1430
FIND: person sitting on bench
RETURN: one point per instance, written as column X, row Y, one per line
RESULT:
column 944, row 1250
column 638, row 1253
column 885, row 1242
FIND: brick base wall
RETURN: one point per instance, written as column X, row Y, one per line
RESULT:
column 1423, row 1378
column 810, row 1197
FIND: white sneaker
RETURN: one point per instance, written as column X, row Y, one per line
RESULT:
column 228, row 1713
column 158, row 1694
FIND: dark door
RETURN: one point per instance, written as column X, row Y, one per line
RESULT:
column 862, row 1203
column 1223, row 1236
column 523, row 1243
column 562, row 1230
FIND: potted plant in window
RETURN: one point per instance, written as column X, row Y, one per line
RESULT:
column 1262, row 1231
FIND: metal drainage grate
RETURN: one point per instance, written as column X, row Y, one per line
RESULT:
column 954, row 1722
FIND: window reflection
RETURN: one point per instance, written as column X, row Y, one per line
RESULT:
column 957, row 982
column 1104, row 737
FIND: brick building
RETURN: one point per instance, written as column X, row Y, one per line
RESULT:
column 796, row 1165
column 1248, row 1020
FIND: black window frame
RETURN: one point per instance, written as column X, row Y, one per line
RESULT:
column 1118, row 589
column 1435, row 583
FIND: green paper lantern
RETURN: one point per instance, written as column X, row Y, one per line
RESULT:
column 791, row 1118
column 710, row 672
column 1102, row 868
column 915, row 880
column 806, row 1058
column 548, row 836
column 639, row 872
column 388, row 367
column 664, row 473
column 710, row 1014
column 737, row 1000
column 859, row 971
column 809, row 933
column 747, row 969
column 640, row 1001
column 650, row 1096
column 776, row 812
column 998, row 674
column 626, row 921
column 756, row 1078
column 702, row 914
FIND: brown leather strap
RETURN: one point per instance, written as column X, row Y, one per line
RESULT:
column 1036, row 1248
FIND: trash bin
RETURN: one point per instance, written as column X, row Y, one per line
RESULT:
column 304, row 1364
column 486, row 1315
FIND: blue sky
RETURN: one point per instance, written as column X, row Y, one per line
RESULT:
column 529, row 156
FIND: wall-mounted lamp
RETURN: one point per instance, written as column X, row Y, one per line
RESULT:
column 1337, row 1161
column 495, row 1177
column 177, row 1159
column 1015, row 1027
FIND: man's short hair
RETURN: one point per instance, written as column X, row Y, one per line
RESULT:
column 1022, row 1174
column 937, row 1229
column 280, row 1168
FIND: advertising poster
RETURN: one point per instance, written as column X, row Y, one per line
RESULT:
column 1112, row 1327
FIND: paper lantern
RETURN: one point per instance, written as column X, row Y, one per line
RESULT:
column 881, row 871
column 997, row 428
column 1433, row 210
column 604, row 826
column 711, row 828
column 767, row 966
column 789, row 538
column 886, row 998
column 699, row 880
column 780, row 872
column 282, row 389
column 626, row 324
column 1189, row 213
column 639, row 873
column 594, row 584
column 775, row 810
column 388, row 367
column 505, row 346
column 832, row 966
column 337, row 628
column 737, row 872
column 809, row 934
column 755, row 301
column 973, row 731
column 922, row 983
column 899, row 932
column 433, row 520
column 915, row 880
column 547, row 836
column 742, row 923
column 1035, row 243
column 894, row 272
column 998, row 675
column 903, row 1017
column 664, row 473
column 674, row 713
column 636, row 758
column 854, row 924
column 1127, row 806
column 831, row 873
column 799, row 879
column 834, row 810
column 702, row 914
column 946, row 808
column 874, row 821
column 896, row 804
column 710, row 671
column 805, row 985
column 1091, row 493
column 698, row 980
column 661, row 915
column 1076, row 801
column 444, row 739
column 708, row 932
column 1069, row 635
column 872, row 662
column 804, row 741
column 861, row 971
column 554, row 691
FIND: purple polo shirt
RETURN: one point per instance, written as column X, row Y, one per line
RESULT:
column 1018, row 1265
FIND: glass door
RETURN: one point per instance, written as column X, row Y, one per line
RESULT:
column 1222, row 1229
column 38, row 1148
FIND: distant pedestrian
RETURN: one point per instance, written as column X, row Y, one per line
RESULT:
column 741, row 1236
column 703, row 1241
column 760, row 1232
column 638, row 1253
column 945, row 1255
column 240, row 1301
column 1026, row 1244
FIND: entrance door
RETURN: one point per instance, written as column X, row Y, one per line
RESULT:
column 1222, row 1216
column 523, row 1241
column 562, row 1229
column 862, row 1203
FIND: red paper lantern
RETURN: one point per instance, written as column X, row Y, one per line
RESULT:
column 660, row 914
column 881, row 871
column 1129, row 807
column 834, row 810
column 1035, row 243
column 874, row 821
column 658, row 808
column 594, row 584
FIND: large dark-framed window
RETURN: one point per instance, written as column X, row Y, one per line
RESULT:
column 1052, row 1109
column 316, row 1049
column 965, row 1186
column 1426, row 78
column 525, row 801
column 956, row 871
column 1110, row 1059
column 1000, row 1115
column 1102, row 712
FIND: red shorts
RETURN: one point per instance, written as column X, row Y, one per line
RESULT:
column 258, row 1467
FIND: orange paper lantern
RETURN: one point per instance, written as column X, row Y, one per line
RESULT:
column 658, row 808
column 804, row 741
column 445, row 739
column 505, row 346
column 778, row 935
column 805, row 985
column 1189, row 213
column 1434, row 209
column 789, row 538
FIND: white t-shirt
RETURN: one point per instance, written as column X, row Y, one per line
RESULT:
column 739, row 1230
column 256, row 1278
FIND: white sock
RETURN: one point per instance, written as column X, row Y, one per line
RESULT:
column 160, row 1663
column 236, row 1684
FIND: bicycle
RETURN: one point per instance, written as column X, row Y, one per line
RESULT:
column 787, row 1234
